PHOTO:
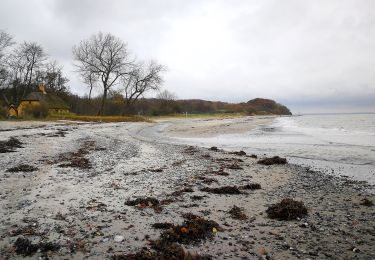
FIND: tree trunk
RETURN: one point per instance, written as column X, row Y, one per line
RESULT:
column 90, row 92
column 101, row 110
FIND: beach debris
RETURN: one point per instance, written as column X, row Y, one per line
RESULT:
column 10, row 145
column 190, row 150
column 183, row 190
column 366, row 202
column 253, row 156
column 93, row 205
column 251, row 186
column 24, row 247
column 220, row 172
column 237, row 213
column 272, row 160
column 234, row 166
column 59, row 133
column 223, row 190
column 193, row 229
column 156, row 170
column 163, row 225
column 162, row 250
column 240, row 153
column 287, row 209
column 196, row 197
column 205, row 179
column 77, row 159
column 147, row 202
column 23, row 168
column 214, row 148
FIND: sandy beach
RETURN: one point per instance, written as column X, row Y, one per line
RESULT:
column 77, row 197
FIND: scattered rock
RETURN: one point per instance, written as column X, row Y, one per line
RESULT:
column 214, row 148
column 273, row 160
column 287, row 209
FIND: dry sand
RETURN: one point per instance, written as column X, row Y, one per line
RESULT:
column 83, row 209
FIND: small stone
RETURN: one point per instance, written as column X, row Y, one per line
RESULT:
column 118, row 238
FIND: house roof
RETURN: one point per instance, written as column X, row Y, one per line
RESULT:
column 52, row 101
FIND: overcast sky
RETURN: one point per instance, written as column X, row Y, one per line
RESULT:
column 316, row 55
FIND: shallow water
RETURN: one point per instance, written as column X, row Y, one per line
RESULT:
column 341, row 144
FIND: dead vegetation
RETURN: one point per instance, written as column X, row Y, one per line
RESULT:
column 237, row 213
column 251, row 186
column 239, row 153
column 205, row 179
column 193, row 229
column 147, row 202
column 182, row 191
column 164, row 225
column 23, row 168
column 24, row 247
column 223, row 190
column 287, row 209
column 10, row 145
column 219, row 172
column 77, row 159
column 272, row 160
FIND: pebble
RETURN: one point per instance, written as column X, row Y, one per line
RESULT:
column 118, row 238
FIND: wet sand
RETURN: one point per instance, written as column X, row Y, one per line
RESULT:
column 212, row 127
column 86, row 173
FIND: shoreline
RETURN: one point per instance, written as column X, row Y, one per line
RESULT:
column 85, row 207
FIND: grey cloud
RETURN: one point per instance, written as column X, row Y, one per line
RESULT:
column 302, row 53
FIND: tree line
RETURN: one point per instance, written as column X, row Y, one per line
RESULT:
column 102, row 61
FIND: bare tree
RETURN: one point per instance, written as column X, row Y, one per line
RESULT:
column 143, row 78
column 166, row 95
column 91, row 81
column 52, row 76
column 105, row 57
column 23, row 69
column 5, row 42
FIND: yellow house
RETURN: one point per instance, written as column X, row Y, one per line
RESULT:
column 40, row 99
column 12, row 111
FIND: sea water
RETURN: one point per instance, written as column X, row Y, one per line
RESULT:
column 339, row 144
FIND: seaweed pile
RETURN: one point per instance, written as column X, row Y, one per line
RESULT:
column 287, row 209
column 10, row 145
column 272, row 160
